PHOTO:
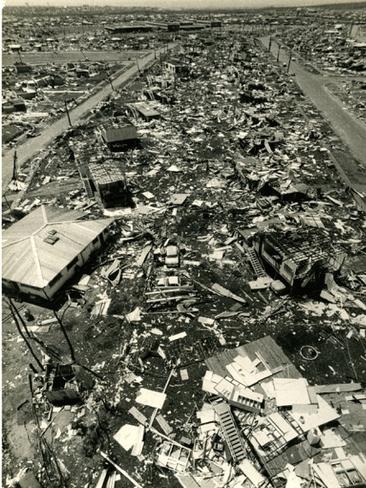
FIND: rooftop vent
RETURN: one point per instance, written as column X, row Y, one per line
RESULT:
column 51, row 237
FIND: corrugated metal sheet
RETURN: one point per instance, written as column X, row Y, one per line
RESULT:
column 269, row 350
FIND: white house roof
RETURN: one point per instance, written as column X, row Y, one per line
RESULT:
column 37, row 247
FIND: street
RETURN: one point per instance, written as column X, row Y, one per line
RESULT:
column 61, row 57
column 32, row 146
column 350, row 130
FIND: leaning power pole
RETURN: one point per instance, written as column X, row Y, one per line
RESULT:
column 289, row 62
column 278, row 52
column 67, row 113
column 15, row 159
column 71, row 349
column 16, row 316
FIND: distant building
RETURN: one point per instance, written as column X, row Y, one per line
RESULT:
column 210, row 23
column 193, row 27
column 130, row 28
column 42, row 251
column 119, row 137
column 167, row 26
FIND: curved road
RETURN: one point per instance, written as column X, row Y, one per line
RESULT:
column 31, row 147
column 349, row 129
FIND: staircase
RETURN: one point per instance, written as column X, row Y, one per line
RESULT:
column 230, row 431
column 254, row 261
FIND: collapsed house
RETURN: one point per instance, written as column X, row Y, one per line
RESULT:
column 177, row 68
column 119, row 137
column 282, row 432
column 294, row 423
column 299, row 258
column 14, row 106
column 45, row 249
column 23, row 68
column 163, row 96
column 271, row 181
column 142, row 109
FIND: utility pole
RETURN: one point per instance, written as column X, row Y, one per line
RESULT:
column 278, row 52
column 15, row 314
column 270, row 44
column 72, row 353
column 48, row 455
column 20, row 56
column 67, row 113
column 350, row 30
column 110, row 81
column 7, row 201
column 138, row 66
column 289, row 62
column 15, row 158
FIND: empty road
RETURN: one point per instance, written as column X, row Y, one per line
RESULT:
column 61, row 57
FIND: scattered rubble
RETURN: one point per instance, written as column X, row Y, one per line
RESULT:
column 207, row 324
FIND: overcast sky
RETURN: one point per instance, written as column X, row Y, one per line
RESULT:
column 179, row 3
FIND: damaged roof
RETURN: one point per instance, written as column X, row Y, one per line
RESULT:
column 303, row 244
column 106, row 173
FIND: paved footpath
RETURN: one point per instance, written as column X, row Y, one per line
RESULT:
column 31, row 147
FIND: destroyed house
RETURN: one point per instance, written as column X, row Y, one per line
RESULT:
column 14, row 106
column 23, row 68
column 44, row 250
column 177, row 68
column 106, row 182
column 299, row 257
column 340, row 473
column 143, row 109
column 119, row 137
